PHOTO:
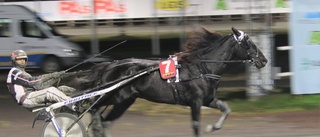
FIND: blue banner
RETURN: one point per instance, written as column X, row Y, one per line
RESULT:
column 305, row 39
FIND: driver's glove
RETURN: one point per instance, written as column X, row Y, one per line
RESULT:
column 46, row 77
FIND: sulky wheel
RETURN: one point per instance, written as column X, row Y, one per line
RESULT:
column 64, row 121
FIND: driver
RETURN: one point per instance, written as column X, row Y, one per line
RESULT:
column 30, row 91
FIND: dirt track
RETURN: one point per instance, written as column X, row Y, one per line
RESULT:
column 16, row 121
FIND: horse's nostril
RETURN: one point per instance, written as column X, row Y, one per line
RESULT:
column 264, row 62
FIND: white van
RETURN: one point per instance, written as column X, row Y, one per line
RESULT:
column 21, row 28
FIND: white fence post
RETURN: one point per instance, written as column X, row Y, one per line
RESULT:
column 284, row 74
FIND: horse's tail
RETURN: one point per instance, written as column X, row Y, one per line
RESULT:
column 108, row 73
column 88, row 79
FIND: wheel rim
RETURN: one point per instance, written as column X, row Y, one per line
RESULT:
column 64, row 123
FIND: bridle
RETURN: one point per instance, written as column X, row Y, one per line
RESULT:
column 239, row 40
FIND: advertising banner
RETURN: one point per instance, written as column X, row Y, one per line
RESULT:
column 234, row 7
column 305, row 39
column 122, row 9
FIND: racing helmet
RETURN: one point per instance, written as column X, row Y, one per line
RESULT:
column 19, row 54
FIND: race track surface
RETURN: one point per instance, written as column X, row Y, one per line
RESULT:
column 16, row 121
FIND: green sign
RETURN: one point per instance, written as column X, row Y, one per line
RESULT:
column 315, row 37
column 281, row 4
column 221, row 5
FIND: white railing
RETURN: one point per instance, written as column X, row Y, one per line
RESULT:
column 284, row 74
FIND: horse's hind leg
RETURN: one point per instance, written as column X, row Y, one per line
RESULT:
column 96, row 123
column 225, row 112
column 116, row 112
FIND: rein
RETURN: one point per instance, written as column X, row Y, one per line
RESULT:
column 225, row 61
column 210, row 76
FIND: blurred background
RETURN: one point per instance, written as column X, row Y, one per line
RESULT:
column 157, row 28
column 154, row 29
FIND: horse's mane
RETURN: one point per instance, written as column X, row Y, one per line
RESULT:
column 198, row 41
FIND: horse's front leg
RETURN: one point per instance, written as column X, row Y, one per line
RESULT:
column 224, row 108
column 195, row 114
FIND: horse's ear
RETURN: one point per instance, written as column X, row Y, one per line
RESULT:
column 235, row 31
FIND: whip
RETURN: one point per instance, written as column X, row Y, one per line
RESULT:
column 95, row 56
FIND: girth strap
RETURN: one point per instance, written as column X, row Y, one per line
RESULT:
column 175, row 93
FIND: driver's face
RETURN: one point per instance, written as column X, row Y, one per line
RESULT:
column 21, row 61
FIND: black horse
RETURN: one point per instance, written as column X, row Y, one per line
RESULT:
column 201, row 65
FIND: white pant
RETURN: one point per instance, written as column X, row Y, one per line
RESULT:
column 40, row 97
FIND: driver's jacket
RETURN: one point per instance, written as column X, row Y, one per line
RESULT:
column 20, row 83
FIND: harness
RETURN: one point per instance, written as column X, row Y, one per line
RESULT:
column 175, row 91
column 175, row 78
column 171, row 73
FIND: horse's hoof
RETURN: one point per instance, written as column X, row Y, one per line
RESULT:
column 209, row 128
column 216, row 127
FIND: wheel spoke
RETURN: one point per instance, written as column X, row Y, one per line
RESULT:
column 65, row 120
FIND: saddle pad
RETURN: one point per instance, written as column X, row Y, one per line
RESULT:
column 167, row 69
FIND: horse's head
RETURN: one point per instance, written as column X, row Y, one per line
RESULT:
column 246, row 49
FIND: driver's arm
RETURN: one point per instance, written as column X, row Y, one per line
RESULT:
column 37, row 82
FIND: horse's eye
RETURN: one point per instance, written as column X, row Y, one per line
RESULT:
column 247, row 44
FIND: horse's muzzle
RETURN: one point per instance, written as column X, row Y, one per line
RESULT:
column 260, row 63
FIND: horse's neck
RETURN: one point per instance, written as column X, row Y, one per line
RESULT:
column 219, row 55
